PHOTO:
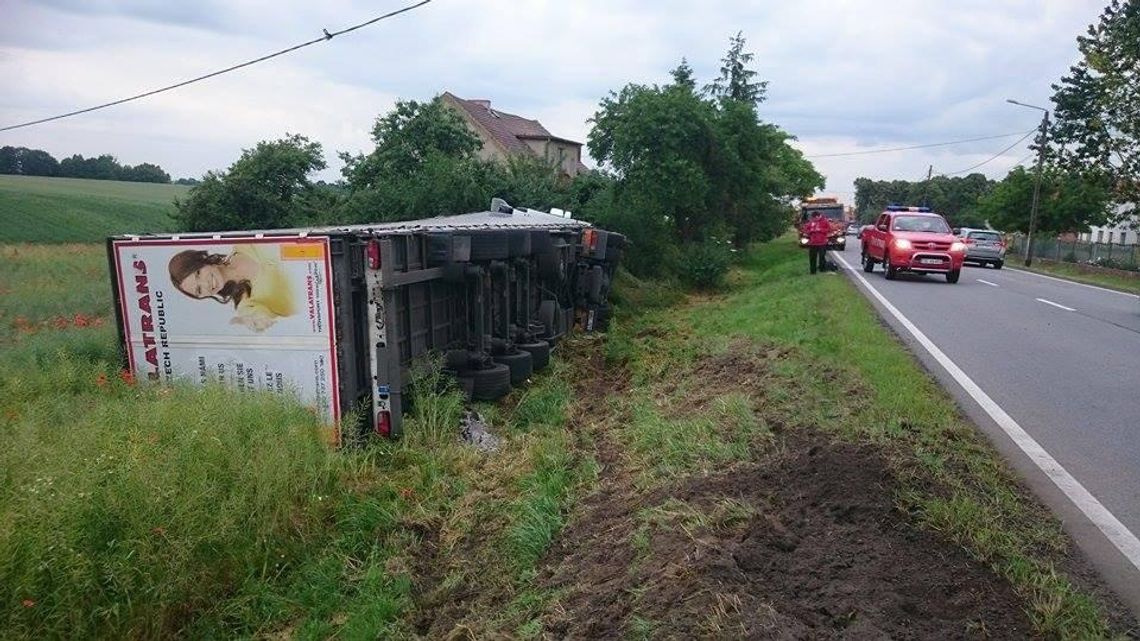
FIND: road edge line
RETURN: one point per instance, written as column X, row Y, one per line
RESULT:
column 1073, row 282
column 1120, row 536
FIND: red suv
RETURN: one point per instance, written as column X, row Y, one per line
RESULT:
column 913, row 239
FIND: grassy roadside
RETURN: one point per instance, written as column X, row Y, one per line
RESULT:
column 833, row 366
column 130, row 511
column 1071, row 272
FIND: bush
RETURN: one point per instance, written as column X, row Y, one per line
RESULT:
column 703, row 265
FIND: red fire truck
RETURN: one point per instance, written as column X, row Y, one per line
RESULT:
column 833, row 211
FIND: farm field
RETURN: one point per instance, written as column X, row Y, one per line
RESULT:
column 70, row 210
column 717, row 466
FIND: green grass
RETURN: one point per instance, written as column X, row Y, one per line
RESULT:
column 136, row 511
column 74, row 210
column 1073, row 273
column 874, row 390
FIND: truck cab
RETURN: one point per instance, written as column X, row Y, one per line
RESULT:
column 912, row 239
column 836, row 217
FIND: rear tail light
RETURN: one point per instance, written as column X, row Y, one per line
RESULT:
column 373, row 254
column 384, row 423
column 590, row 239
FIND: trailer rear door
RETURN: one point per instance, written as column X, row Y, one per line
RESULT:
column 278, row 337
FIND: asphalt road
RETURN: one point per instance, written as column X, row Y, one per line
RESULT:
column 1061, row 359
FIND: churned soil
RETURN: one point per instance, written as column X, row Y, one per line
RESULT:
column 822, row 553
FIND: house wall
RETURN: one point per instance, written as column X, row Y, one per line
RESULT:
column 553, row 150
column 1127, row 233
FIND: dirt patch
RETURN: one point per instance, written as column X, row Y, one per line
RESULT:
column 816, row 550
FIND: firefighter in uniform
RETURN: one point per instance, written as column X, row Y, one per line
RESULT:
column 817, row 230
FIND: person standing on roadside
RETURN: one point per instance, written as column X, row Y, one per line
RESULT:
column 817, row 229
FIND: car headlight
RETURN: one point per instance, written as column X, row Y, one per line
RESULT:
column 958, row 247
column 902, row 243
column 841, row 239
column 803, row 241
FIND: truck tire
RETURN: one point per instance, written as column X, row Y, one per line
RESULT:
column 601, row 318
column 868, row 264
column 539, row 353
column 489, row 245
column 491, row 383
column 953, row 275
column 520, row 364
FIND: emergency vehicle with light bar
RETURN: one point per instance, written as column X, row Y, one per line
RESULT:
column 912, row 239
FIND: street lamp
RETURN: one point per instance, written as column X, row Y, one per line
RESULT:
column 1042, row 141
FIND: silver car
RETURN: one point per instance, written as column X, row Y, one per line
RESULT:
column 983, row 246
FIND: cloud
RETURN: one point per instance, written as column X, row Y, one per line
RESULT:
column 843, row 75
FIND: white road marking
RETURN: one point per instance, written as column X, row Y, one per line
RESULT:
column 986, row 282
column 1115, row 531
column 1058, row 305
column 1073, row 282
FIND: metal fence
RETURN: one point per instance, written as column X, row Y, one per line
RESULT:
column 1077, row 251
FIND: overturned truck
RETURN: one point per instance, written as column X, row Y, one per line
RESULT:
column 338, row 315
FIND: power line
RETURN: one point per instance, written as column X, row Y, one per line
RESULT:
column 325, row 36
column 993, row 157
column 933, row 144
column 1027, row 157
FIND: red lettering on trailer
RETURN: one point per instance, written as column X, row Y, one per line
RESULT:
column 146, row 320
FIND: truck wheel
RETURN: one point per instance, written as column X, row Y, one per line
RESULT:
column 520, row 364
column 539, row 353
column 953, row 275
column 491, row 383
column 868, row 264
column 891, row 271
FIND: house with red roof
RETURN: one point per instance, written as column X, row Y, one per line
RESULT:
column 506, row 135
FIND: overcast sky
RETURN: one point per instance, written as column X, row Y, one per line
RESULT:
column 844, row 75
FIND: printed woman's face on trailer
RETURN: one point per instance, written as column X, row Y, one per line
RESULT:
column 204, row 282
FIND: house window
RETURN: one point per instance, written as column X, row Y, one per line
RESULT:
column 1111, row 234
column 1124, row 238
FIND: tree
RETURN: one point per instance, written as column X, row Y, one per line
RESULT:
column 955, row 197
column 144, row 173
column 683, row 76
column 1069, row 201
column 406, row 138
column 1097, row 126
column 37, row 162
column 696, row 171
column 9, row 160
column 267, row 187
column 736, row 81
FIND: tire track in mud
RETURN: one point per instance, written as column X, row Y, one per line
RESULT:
column 802, row 542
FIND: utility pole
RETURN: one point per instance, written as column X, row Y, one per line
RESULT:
column 1042, row 142
column 926, row 186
